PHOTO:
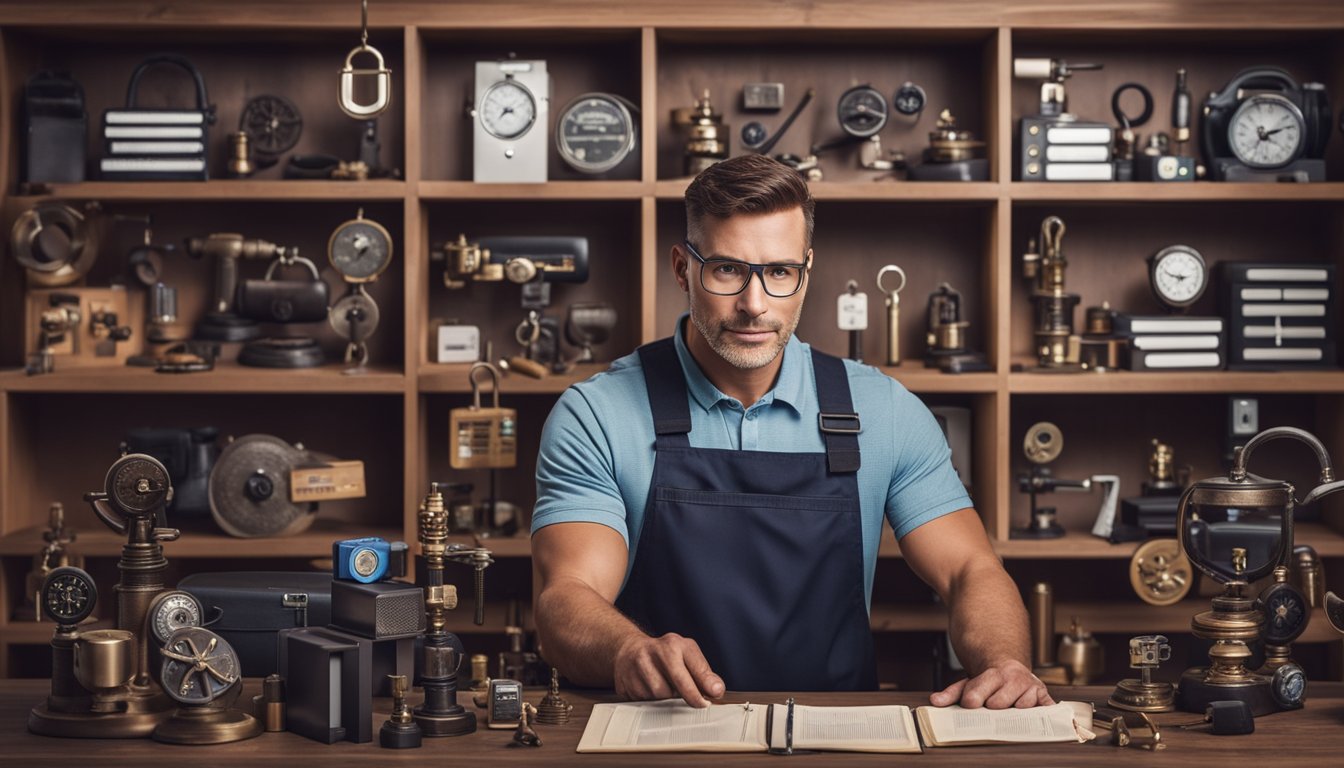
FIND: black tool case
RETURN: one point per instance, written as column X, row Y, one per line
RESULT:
column 248, row 608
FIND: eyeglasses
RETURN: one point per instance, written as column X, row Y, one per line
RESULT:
column 729, row 277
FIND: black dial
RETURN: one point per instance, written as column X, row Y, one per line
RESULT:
column 198, row 666
column 909, row 99
column 1286, row 613
column 360, row 249
column 68, row 595
column 862, row 111
column 138, row 484
column 171, row 611
column 1289, row 686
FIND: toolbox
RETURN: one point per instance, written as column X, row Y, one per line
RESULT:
column 249, row 608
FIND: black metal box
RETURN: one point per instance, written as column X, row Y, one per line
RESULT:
column 248, row 608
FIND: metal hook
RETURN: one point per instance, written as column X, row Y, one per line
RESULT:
column 364, row 22
column 883, row 272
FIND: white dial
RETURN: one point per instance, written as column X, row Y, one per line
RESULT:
column 1266, row 131
column 1179, row 276
column 508, row 110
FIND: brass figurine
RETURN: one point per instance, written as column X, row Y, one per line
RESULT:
column 1057, row 346
column 525, row 736
column 553, row 709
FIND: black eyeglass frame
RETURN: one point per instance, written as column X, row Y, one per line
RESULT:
column 754, row 269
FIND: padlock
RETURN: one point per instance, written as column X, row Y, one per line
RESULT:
column 347, row 91
column 483, row 438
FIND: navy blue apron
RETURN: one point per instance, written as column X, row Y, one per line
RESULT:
column 755, row 555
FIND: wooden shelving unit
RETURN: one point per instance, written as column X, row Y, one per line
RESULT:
column 59, row 432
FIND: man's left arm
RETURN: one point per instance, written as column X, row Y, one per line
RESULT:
column 987, row 621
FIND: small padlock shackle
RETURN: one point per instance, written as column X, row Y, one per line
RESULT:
column 476, row 387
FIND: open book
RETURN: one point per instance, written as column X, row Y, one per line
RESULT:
column 672, row 725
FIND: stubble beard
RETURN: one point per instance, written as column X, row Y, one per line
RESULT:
column 715, row 330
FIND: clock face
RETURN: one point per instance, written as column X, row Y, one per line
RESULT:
column 862, row 111
column 596, row 133
column 1285, row 612
column 508, row 110
column 360, row 250
column 1179, row 276
column 1266, row 131
column 68, row 595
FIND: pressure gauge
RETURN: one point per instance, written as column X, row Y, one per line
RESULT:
column 171, row 611
column 360, row 249
column 1286, row 613
column 596, row 133
column 1267, row 131
column 198, row 666
column 1289, row 686
column 1178, row 275
column 909, row 99
column 508, row 109
column 862, row 111
column 138, row 484
column 68, row 595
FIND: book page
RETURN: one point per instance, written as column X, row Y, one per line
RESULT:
column 954, row 725
column 672, row 725
column 887, row 728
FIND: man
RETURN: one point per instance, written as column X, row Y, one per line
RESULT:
column 709, row 508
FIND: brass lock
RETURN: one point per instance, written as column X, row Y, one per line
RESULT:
column 483, row 438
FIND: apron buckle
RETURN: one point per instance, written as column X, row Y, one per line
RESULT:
column 839, row 423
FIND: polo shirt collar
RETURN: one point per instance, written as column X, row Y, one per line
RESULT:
column 789, row 388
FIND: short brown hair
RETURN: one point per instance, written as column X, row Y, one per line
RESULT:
column 748, row 184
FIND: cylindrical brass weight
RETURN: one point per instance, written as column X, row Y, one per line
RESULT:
column 1041, row 609
column 893, row 329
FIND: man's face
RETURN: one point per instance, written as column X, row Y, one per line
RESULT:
column 748, row 330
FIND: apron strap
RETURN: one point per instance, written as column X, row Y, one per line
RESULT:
column 838, row 422
column 666, row 385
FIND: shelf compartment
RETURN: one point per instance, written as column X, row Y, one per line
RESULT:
column 226, row 378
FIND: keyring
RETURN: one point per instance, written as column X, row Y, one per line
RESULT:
column 883, row 272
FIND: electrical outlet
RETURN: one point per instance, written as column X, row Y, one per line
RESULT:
column 1243, row 416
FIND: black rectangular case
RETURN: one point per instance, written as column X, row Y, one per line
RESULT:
column 248, row 608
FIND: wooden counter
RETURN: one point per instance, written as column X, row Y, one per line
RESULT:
column 1307, row 737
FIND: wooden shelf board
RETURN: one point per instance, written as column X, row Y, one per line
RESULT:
column 1082, row 545
column 1176, row 382
column 926, row 380
column 241, row 190
column 551, row 190
column 312, row 543
column 226, row 378
column 452, row 378
column 876, row 190
column 1150, row 192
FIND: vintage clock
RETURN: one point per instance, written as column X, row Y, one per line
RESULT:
column 69, row 595
column 512, row 104
column 360, row 249
column 1178, row 275
column 1267, row 131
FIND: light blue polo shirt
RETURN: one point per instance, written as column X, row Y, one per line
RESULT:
column 596, row 458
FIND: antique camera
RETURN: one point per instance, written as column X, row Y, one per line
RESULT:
column 1264, row 126
column 1054, row 145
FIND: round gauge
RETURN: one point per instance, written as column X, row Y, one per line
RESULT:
column 1286, row 613
column 68, row 595
column 1267, row 131
column 862, row 111
column 360, row 249
column 171, row 611
column 1289, row 686
column 198, row 666
column 354, row 317
column 138, row 484
column 507, row 109
column 1178, row 275
column 909, row 99
column 596, row 132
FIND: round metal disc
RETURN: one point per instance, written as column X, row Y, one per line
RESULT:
column 360, row 249
column 199, row 666
column 273, row 123
column 68, row 595
column 138, row 484
column 365, row 320
column 171, row 611
column 1043, row 443
column 1160, row 573
column 249, row 488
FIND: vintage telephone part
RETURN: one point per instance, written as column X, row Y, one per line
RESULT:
column 1160, row 573
column 273, row 124
column 171, row 611
column 54, row 242
column 862, row 111
column 360, row 249
column 250, row 488
column 69, row 595
column 596, row 132
column 909, row 99
column 1178, row 276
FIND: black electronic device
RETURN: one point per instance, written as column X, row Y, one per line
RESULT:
column 1229, row 718
column 328, row 677
column 382, row 610
column 1054, row 145
column 252, row 607
column 56, row 128
column 504, row 707
column 1279, row 315
column 1265, row 126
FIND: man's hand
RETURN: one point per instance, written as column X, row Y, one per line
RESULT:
column 662, row 667
column 1003, row 685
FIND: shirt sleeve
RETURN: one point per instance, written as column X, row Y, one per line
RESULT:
column 924, row 485
column 576, row 479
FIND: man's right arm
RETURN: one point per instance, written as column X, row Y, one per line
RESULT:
column 577, row 571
